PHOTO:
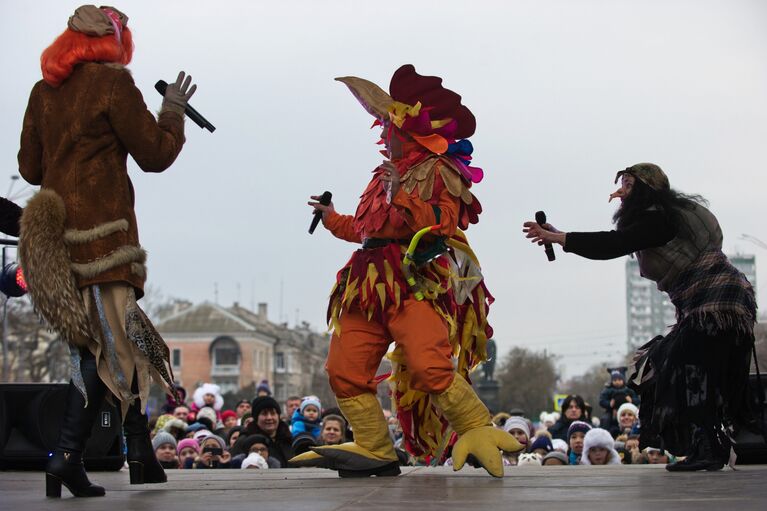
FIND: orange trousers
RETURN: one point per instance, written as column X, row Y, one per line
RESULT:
column 355, row 355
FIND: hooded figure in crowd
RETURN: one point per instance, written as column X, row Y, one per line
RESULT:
column 79, row 244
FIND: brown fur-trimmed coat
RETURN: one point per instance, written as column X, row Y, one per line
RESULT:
column 75, row 142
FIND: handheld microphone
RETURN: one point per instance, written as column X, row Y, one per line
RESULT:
column 540, row 219
column 190, row 112
column 324, row 200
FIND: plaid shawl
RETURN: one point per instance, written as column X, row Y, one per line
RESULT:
column 713, row 291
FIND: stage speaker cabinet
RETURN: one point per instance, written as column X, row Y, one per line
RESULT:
column 750, row 446
column 30, row 420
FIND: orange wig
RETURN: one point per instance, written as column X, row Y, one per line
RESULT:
column 71, row 48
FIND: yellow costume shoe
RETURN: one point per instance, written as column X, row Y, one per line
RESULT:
column 371, row 453
column 471, row 420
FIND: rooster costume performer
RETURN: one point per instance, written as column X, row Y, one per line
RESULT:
column 79, row 242
column 431, row 300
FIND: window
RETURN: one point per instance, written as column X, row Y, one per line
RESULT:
column 226, row 352
column 176, row 358
column 279, row 362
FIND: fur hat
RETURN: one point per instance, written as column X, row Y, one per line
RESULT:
column 208, row 388
column 254, row 460
column 631, row 407
column 558, row 455
column 175, row 423
column 529, row 458
column 515, row 422
column 559, row 445
column 599, row 437
column 649, row 173
column 311, row 401
column 188, row 442
column 162, row 438
column 576, row 426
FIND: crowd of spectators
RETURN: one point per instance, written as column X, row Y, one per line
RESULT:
column 263, row 433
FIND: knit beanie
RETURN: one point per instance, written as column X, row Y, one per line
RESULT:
column 559, row 455
column 515, row 422
column 206, row 412
column 542, row 442
column 576, row 426
column 616, row 375
column 311, row 401
column 163, row 437
column 254, row 460
column 188, row 442
column 264, row 386
column 201, row 435
column 226, row 414
column 262, row 403
column 221, row 442
column 631, row 407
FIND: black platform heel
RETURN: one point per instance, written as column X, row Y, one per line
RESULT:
column 66, row 468
column 142, row 462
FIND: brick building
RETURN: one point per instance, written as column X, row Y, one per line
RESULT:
column 236, row 348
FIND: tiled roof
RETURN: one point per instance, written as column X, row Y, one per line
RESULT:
column 205, row 317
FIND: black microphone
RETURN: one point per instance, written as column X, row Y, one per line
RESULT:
column 540, row 219
column 190, row 112
column 324, row 200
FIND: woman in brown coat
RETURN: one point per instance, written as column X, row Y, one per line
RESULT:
column 79, row 243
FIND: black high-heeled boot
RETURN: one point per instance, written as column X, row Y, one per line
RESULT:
column 142, row 462
column 66, row 465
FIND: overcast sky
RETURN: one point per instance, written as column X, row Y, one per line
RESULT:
column 565, row 94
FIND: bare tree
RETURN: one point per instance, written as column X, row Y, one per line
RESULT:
column 528, row 381
column 28, row 339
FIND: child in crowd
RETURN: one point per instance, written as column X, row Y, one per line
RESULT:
column 575, row 435
column 542, row 444
column 208, row 394
column 254, row 460
column 213, row 453
column 599, row 448
column 613, row 396
column 187, row 450
column 555, row 458
column 307, row 418
column 519, row 428
column 164, row 446
column 228, row 419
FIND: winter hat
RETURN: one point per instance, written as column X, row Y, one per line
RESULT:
column 208, row 388
column 548, row 418
column 201, row 435
column 188, row 442
column 262, row 403
column 530, row 459
column 195, row 427
column 576, row 426
column 559, row 445
column 264, row 386
column 226, row 414
column 311, row 401
column 542, row 442
column 631, row 407
column 162, row 420
column 559, row 455
column 616, row 375
column 599, row 437
column 516, row 422
column 163, row 437
column 208, row 413
column 254, row 460
column 221, row 442
column 177, row 424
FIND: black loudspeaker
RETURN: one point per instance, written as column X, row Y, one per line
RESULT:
column 750, row 446
column 30, row 419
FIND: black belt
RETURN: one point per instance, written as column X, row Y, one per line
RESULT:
column 370, row 243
